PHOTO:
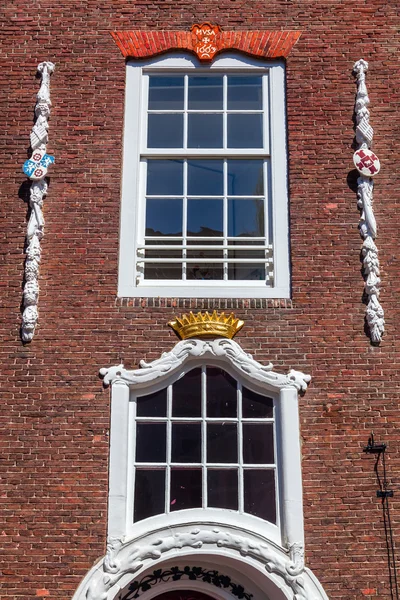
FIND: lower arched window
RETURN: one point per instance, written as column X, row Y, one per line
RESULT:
column 205, row 441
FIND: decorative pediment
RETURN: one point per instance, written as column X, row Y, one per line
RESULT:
column 221, row 349
column 205, row 40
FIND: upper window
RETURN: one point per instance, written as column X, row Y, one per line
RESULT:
column 204, row 209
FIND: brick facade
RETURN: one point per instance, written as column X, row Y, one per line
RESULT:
column 55, row 411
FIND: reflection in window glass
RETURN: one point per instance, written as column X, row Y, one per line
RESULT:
column 245, row 178
column 164, row 177
column 186, row 395
column 246, row 218
column 205, row 217
column 223, row 488
column 221, row 393
column 166, row 92
column 259, row 494
column 153, row 405
column 186, row 442
column 222, row 443
column 256, row 406
column 186, row 488
column 244, row 93
column 205, row 93
column 245, row 131
column 151, row 442
column 165, row 131
column 218, row 453
column 204, row 131
column 164, row 216
column 149, row 493
column 205, row 177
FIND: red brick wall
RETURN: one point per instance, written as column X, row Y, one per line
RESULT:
column 55, row 411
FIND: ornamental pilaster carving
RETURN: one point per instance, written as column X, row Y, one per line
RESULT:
column 367, row 164
column 131, row 557
column 36, row 169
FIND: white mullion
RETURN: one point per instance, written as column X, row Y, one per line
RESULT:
column 185, row 110
column 204, row 435
column 266, row 216
column 168, row 451
column 225, row 220
column 240, row 450
column 130, row 495
column 225, row 108
column 266, row 116
column 184, row 224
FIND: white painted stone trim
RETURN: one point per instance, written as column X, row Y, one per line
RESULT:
column 368, row 228
column 132, row 210
column 125, row 559
column 38, row 191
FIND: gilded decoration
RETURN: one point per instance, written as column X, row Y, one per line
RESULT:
column 206, row 325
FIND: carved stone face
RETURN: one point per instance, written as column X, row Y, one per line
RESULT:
column 31, row 292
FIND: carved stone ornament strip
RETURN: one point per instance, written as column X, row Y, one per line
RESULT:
column 222, row 348
column 367, row 164
column 36, row 169
column 206, row 40
column 131, row 557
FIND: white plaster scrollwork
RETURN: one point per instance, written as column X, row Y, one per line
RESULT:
column 38, row 191
column 131, row 557
column 367, row 226
column 223, row 348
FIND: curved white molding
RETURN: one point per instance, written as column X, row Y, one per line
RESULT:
column 38, row 191
column 367, row 226
column 220, row 348
column 131, row 557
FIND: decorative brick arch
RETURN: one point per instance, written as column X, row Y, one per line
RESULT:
column 206, row 41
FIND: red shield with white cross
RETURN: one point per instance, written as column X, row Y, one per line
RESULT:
column 366, row 162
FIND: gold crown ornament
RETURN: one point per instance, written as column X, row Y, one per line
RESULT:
column 206, row 325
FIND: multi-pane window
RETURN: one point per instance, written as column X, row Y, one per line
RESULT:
column 207, row 218
column 206, row 441
column 204, row 209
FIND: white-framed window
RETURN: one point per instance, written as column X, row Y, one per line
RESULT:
column 205, row 441
column 204, row 191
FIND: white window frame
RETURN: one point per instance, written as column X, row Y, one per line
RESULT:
column 127, row 385
column 132, row 209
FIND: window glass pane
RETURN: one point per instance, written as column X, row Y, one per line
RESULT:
column 222, row 443
column 186, row 489
column 245, row 178
column 246, row 218
column 205, row 178
column 256, row 406
column 205, row 217
column 245, row 131
column 164, row 216
column 259, row 493
column 165, row 131
column 221, row 394
column 205, row 93
column 153, row 405
column 244, row 93
column 151, row 442
column 258, row 443
column 246, row 272
column 149, row 493
column 186, row 395
column 186, row 442
column 223, row 488
column 203, row 269
column 166, row 92
column 164, row 177
column 163, row 271
column 204, row 131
